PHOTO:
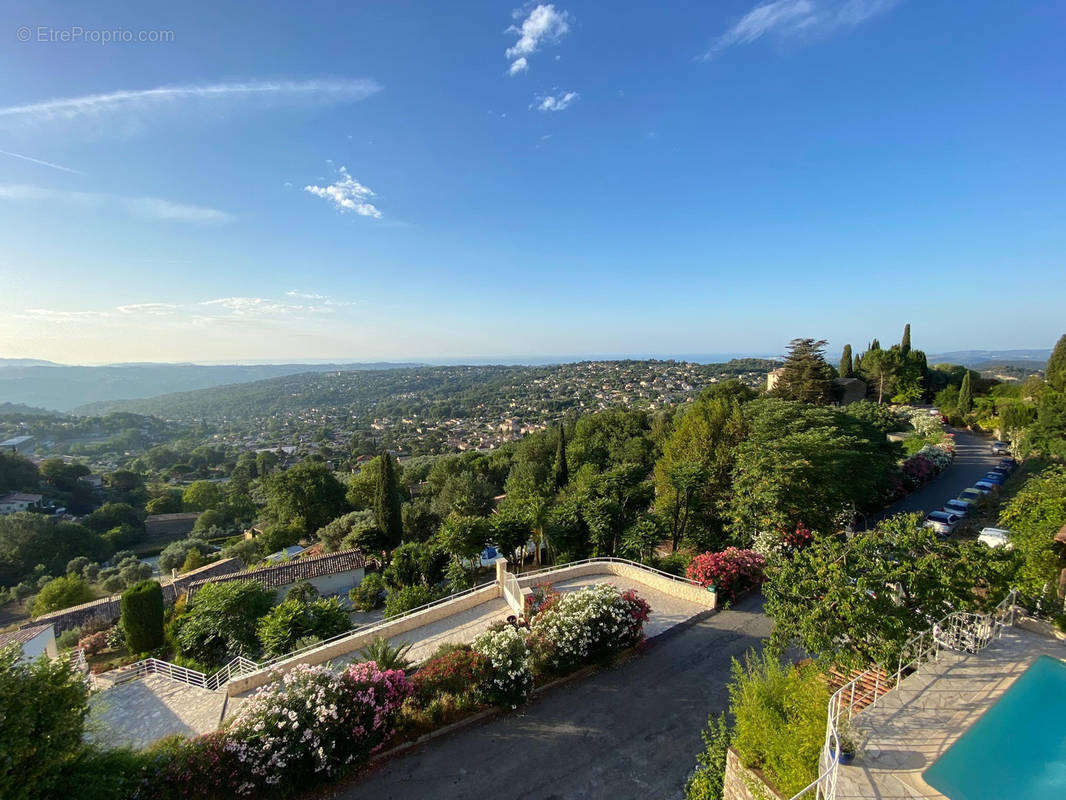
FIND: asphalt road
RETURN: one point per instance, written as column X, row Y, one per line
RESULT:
column 973, row 458
column 632, row 731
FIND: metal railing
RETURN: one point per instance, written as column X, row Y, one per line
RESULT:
column 958, row 631
column 176, row 672
column 607, row 560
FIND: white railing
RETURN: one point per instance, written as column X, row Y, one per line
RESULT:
column 77, row 659
column 958, row 631
column 512, row 593
column 607, row 560
column 192, row 677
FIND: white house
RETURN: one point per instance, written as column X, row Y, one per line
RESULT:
column 19, row 501
column 35, row 641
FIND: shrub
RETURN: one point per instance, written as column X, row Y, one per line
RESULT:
column 295, row 620
column 203, row 768
column 590, row 624
column 731, row 571
column 314, row 723
column 459, row 672
column 219, row 622
column 708, row 780
column 175, row 554
column 401, row 600
column 370, row 593
column 675, row 563
column 193, row 560
column 386, row 655
column 142, row 616
column 71, row 590
column 68, row 639
column 302, row 591
column 780, row 717
column 43, row 705
column 93, row 643
column 511, row 677
column 541, row 599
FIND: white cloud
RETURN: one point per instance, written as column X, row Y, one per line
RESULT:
column 543, row 25
column 153, row 208
column 154, row 309
column 306, row 295
column 347, row 194
column 41, row 162
column 792, row 18
column 139, row 105
column 558, row 102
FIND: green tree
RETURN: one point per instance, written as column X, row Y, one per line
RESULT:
column 344, row 531
column 905, row 342
column 416, row 563
column 847, row 369
column 61, row 475
column 202, row 496
column 965, row 401
column 387, row 510
column 114, row 515
column 306, row 496
column 561, row 475
column 879, row 368
column 43, row 705
column 142, row 616
column 17, row 473
column 297, row 622
column 220, row 621
column 805, row 376
column 175, row 554
column 856, row 602
column 463, row 537
column 168, row 503
column 71, row 590
column 1033, row 516
column 1055, row 370
column 708, row 780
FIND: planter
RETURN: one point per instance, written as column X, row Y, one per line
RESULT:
column 846, row 758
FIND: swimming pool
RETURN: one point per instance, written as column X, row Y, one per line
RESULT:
column 1017, row 749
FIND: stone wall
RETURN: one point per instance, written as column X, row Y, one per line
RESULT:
column 742, row 783
column 289, row 572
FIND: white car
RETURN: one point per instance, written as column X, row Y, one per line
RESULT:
column 996, row 537
column 942, row 522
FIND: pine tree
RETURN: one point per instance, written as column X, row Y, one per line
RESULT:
column 805, row 376
column 966, row 395
column 905, row 342
column 1055, row 371
column 562, row 476
column 387, row 511
column 847, row 369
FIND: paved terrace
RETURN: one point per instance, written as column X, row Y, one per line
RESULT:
column 910, row 728
column 137, row 713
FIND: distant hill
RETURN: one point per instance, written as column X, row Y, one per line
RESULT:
column 434, row 393
column 26, row 362
column 65, row 388
column 18, row 409
column 981, row 359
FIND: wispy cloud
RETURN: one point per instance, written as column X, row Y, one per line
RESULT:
column 221, row 309
column 543, row 25
column 558, row 102
column 140, row 105
column 305, row 295
column 347, row 194
column 788, row 19
column 41, row 162
column 153, row 208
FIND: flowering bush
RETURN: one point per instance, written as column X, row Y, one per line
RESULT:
column 924, row 423
column 93, row 643
column 928, row 462
column 730, row 571
column 314, row 721
column 771, row 544
column 511, row 677
column 198, row 769
column 543, row 597
column 589, row 624
column 458, row 672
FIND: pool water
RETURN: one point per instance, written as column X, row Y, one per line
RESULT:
column 1017, row 749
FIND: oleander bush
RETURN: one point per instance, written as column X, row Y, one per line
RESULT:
column 586, row 626
column 462, row 671
column 510, row 679
column 731, row 571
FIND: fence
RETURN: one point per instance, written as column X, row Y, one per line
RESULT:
column 176, row 672
column 512, row 593
column 958, row 631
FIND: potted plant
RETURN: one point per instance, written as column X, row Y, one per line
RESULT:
column 848, row 748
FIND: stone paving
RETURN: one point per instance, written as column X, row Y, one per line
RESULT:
column 137, row 713
column 910, row 728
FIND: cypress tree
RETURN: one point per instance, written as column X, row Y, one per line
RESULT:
column 905, row 342
column 562, row 476
column 875, row 345
column 142, row 616
column 387, row 511
column 966, row 394
column 847, row 369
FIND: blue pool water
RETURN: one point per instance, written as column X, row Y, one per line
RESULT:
column 1017, row 749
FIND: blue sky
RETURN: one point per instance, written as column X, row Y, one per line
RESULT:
column 427, row 180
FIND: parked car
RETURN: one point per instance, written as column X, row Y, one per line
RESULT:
column 996, row 537
column 1008, row 463
column 943, row 522
column 1002, row 470
column 1000, row 448
column 971, row 495
column 960, row 507
column 997, row 478
column 987, row 486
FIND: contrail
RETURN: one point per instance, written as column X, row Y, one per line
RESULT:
column 42, row 163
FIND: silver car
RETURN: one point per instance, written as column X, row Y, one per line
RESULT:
column 942, row 522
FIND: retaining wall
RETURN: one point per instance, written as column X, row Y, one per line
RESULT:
column 742, row 783
column 679, row 589
column 361, row 639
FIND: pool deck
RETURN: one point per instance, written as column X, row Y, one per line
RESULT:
column 910, row 728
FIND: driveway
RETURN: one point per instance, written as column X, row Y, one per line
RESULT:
column 973, row 458
column 629, row 732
